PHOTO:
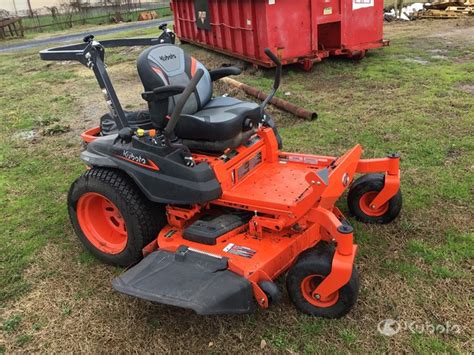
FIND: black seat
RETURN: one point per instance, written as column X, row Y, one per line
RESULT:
column 221, row 119
column 206, row 122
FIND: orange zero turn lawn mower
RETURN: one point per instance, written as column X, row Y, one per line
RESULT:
column 197, row 197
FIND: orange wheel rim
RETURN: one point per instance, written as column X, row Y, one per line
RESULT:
column 365, row 205
column 102, row 223
column 309, row 284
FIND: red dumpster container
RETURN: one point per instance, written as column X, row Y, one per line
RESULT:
column 300, row 31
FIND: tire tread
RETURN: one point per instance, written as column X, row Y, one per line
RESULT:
column 147, row 217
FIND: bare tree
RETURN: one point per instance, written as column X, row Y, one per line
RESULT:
column 29, row 8
column 113, row 2
column 4, row 14
column 67, row 10
column 54, row 12
column 400, row 8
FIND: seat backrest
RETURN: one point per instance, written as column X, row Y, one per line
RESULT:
column 167, row 64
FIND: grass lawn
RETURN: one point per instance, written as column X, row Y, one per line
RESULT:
column 415, row 97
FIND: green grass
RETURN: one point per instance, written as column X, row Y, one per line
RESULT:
column 11, row 324
column 23, row 339
column 419, row 266
column 423, row 344
column 30, row 173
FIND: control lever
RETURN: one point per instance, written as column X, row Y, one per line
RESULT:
column 257, row 116
column 168, row 132
column 124, row 135
column 167, row 36
column 276, row 82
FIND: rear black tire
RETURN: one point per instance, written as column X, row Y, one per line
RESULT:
column 143, row 219
column 372, row 183
column 318, row 261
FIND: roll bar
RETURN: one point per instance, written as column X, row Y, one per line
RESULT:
column 91, row 53
column 76, row 52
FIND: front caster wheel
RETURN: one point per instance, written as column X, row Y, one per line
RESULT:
column 363, row 192
column 308, row 272
column 111, row 217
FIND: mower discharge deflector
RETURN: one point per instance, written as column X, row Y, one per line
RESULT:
column 188, row 279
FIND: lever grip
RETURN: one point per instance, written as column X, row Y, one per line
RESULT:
column 88, row 38
column 169, row 129
column 276, row 83
column 277, row 62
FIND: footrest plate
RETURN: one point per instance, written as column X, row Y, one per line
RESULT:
column 188, row 279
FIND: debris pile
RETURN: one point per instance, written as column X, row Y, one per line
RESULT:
column 405, row 13
column 10, row 27
column 446, row 9
column 439, row 9
column 148, row 15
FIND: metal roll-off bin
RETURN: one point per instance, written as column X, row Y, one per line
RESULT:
column 300, row 31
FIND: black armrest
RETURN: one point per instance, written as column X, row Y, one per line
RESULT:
column 220, row 73
column 162, row 92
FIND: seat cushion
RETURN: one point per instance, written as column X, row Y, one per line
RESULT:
column 222, row 118
column 221, row 101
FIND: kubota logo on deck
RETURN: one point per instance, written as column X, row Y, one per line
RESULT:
column 166, row 57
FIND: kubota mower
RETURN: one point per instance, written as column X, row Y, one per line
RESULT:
column 196, row 196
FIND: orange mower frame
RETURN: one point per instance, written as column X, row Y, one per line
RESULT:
column 309, row 218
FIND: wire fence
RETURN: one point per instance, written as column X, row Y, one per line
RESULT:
column 67, row 16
